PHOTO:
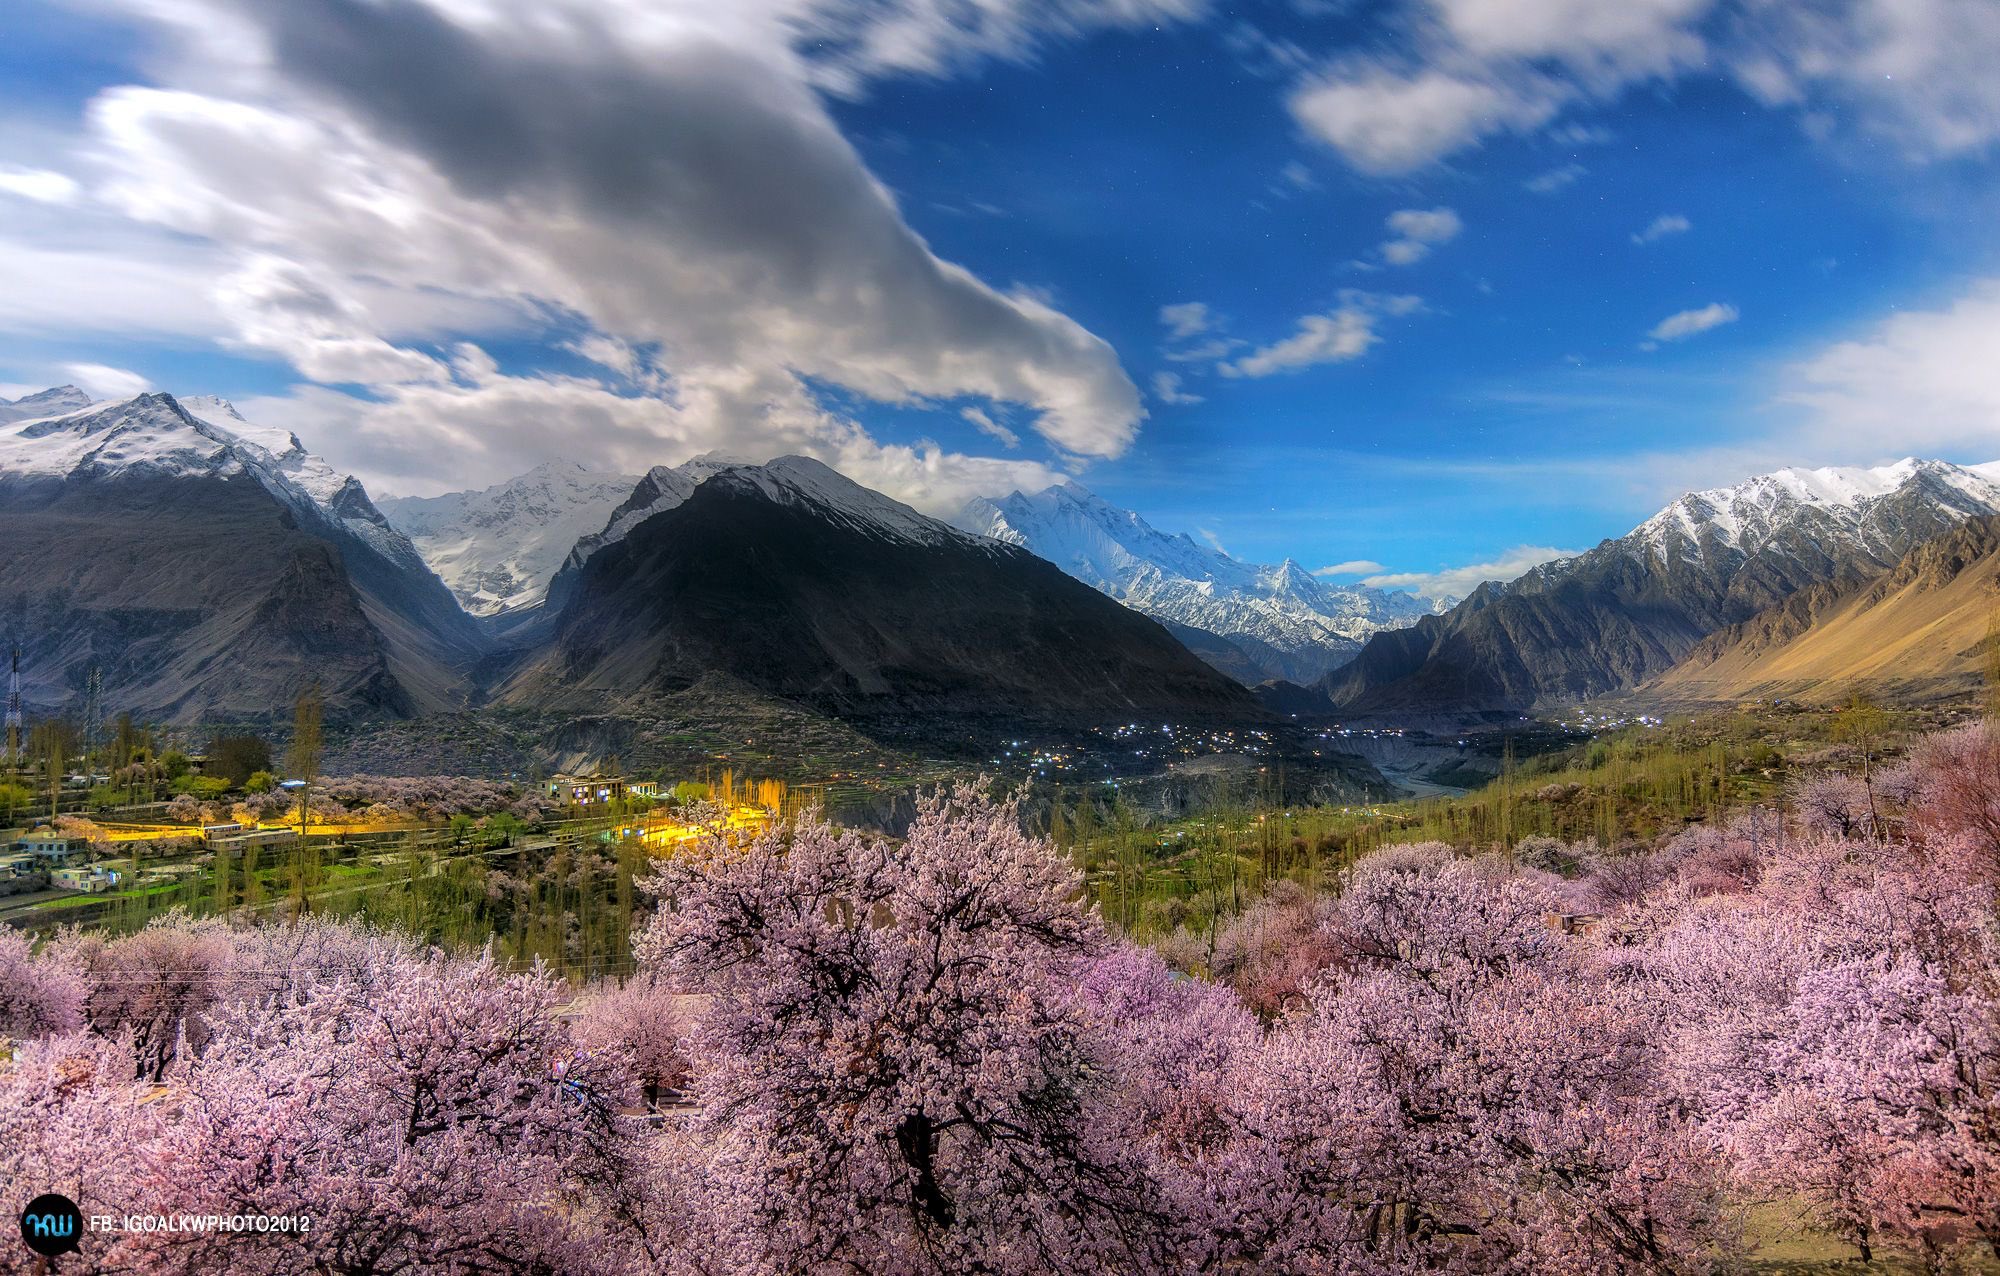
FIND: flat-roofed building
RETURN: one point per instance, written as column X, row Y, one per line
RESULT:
column 235, row 843
column 48, row 844
column 94, row 880
column 587, row 790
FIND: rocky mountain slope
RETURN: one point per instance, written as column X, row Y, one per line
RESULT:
column 804, row 585
column 1253, row 622
column 1920, row 631
column 210, row 569
column 498, row 547
column 1631, row 608
column 660, row 489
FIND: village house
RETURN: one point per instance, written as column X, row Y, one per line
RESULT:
column 234, row 839
column 588, row 790
column 50, row 846
column 93, row 880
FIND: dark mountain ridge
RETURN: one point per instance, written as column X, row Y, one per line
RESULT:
column 187, row 566
column 808, row 587
column 1631, row 608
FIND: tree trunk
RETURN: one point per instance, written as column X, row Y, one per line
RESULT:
column 917, row 1139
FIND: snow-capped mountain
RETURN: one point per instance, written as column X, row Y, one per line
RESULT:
column 161, row 436
column 209, row 565
column 340, row 496
column 1632, row 607
column 51, row 402
column 1254, row 621
column 801, row 482
column 1861, row 507
column 497, row 547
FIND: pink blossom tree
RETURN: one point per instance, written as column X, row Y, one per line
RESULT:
column 1466, row 1088
column 1956, row 786
column 647, row 1027
column 1888, row 1111
column 76, row 1119
column 443, row 1121
column 1834, row 804
column 156, row 986
column 893, row 1071
column 37, row 997
column 1271, row 950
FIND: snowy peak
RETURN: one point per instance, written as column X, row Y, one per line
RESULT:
column 1275, row 621
column 789, row 480
column 661, row 488
column 1097, row 542
column 156, row 435
column 1634, row 607
column 498, row 547
column 1842, row 507
column 279, row 449
column 58, row 401
column 150, row 434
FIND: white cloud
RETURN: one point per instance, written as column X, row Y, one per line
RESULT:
column 1686, row 323
column 283, row 308
column 65, row 271
column 1334, row 337
column 1203, row 351
column 983, row 422
column 665, row 177
column 1580, row 135
column 1459, row 581
column 1605, row 41
column 483, row 426
column 102, row 382
column 1555, row 179
column 1916, row 73
column 1923, row 381
column 1193, row 336
column 851, row 43
column 1417, row 231
column 1262, row 55
column 1473, row 69
column 1167, row 389
column 1213, row 540
column 44, row 186
column 1185, row 319
column 629, row 361
column 1662, row 226
column 1344, row 333
column 1387, row 121
column 1352, row 567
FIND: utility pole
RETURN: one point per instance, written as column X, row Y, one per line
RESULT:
column 14, row 711
column 93, row 711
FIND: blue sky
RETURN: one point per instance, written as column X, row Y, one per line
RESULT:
column 1417, row 283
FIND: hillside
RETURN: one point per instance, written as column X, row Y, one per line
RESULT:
column 211, row 569
column 1918, row 632
column 1631, row 608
